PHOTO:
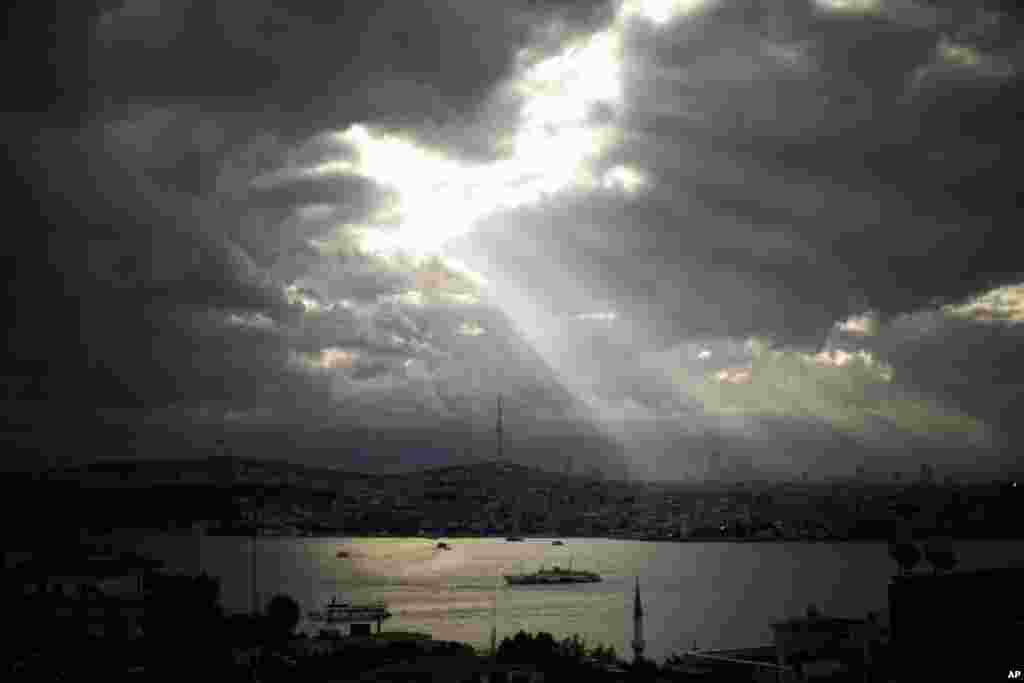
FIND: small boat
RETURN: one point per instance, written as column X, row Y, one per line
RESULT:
column 341, row 554
column 443, row 546
column 513, row 539
column 557, row 543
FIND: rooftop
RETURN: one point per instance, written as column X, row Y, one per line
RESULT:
column 927, row 576
column 435, row 668
column 817, row 623
column 93, row 566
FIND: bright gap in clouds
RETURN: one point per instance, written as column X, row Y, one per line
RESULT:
column 440, row 199
column 556, row 147
column 1003, row 304
column 850, row 6
column 552, row 150
column 662, row 11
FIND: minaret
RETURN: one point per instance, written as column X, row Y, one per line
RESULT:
column 638, row 625
column 494, row 622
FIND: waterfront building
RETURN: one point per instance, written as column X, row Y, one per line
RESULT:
column 356, row 618
column 971, row 622
column 756, row 665
column 817, row 646
column 100, row 593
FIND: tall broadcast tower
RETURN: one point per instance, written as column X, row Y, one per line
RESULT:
column 500, row 431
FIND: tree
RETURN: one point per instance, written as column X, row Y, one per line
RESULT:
column 180, row 599
column 541, row 650
column 574, row 647
column 605, row 655
column 282, row 617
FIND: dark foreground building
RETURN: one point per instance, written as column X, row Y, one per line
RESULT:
column 969, row 625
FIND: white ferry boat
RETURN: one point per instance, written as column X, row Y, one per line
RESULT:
column 343, row 612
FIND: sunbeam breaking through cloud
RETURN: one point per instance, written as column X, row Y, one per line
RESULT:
column 655, row 224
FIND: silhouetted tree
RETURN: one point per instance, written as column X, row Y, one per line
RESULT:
column 604, row 654
column 573, row 648
column 184, row 611
column 541, row 650
column 282, row 616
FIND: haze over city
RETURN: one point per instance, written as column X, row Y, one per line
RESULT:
column 335, row 233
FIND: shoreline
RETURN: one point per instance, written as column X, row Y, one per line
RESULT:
column 341, row 536
column 566, row 539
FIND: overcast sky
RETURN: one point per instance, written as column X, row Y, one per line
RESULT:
column 781, row 229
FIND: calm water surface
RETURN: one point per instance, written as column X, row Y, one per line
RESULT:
column 717, row 594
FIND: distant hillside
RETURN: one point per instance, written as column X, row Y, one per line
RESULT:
column 229, row 471
column 222, row 470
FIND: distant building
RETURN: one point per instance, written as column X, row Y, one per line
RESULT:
column 685, row 526
column 713, row 469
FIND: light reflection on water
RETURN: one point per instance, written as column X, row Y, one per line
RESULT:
column 719, row 594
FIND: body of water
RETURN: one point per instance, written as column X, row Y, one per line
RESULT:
column 715, row 594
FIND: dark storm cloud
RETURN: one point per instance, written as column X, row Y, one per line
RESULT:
column 804, row 170
column 806, row 166
column 349, row 198
column 974, row 365
column 310, row 66
column 145, row 209
column 356, row 277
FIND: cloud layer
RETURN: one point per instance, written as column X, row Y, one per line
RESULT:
column 649, row 223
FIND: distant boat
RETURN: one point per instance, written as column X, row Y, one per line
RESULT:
column 557, row 543
column 513, row 539
column 341, row 554
column 554, row 575
column 443, row 546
